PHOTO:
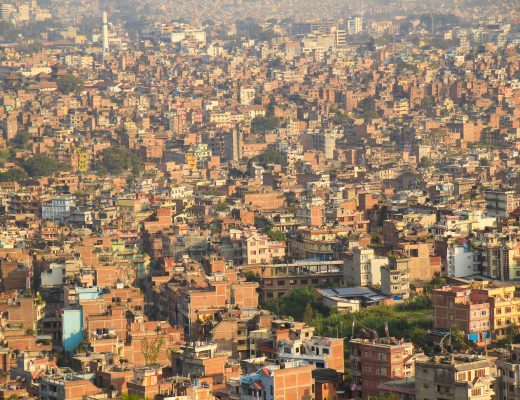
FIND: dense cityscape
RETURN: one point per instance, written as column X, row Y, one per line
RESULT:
column 259, row 199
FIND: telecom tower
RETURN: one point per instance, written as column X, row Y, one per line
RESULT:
column 105, row 35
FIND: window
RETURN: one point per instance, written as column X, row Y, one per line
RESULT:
column 281, row 283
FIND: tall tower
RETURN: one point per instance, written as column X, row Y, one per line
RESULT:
column 105, row 35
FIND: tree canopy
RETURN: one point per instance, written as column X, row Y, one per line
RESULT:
column 116, row 160
column 270, row 157
column 13, row 175
column 39, row 165
column 69, row 83
column 261, row 124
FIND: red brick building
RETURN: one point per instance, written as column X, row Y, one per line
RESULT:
column 374, row 362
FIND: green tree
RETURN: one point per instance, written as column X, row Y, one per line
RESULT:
column 277, row 236
column 294, row 303
column 39, row 165
column 425, row 162
column 308, row 314
column 423, row 340
column 21, row 140
column 269, row 157
column 261, row 124
column 251, row 276
column 13, row 175
column 116, row 160
column 69, row 83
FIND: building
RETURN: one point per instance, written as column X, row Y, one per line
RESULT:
column 289, row 381
column 355, row 25
column 504, row 306
column 376, row 361
column 66, row 387
column 58, row 209
column 199, row 359
column 318, row 351
column 257, row 248
column 395, row 279
column 499, row 203
column 363, row 267
column 278, row 279
column 72, row 328
column 456, row 377
column 457, row 306
column 508, row 375
column 500, row 256
column 233, row 143
column 461, row 261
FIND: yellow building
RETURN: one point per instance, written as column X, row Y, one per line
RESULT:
column 84, row 158
column 504, row 306
column 191, row 161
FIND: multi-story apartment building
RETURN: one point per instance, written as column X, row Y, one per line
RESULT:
column 454, row 377
column 57, row 209
column 363, row 267
column 259, row 249
column 503, row 305
column 374, row 362
column 318, row 351
column 508, row 375
column 200, row 359
column 278, row 279
column 395, row 279
column 457, row 306
column 499, row 203
column 289, row 381
column 500, row 256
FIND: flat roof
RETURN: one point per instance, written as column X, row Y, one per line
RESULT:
column 362, row 292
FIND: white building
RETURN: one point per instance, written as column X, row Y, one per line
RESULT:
column 460, row 261
column 363, row 267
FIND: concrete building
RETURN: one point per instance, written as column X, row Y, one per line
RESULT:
column 504, row 306
column 500, row 256
column 508, row 375
column 278, row 279
column 374, row 362
column 499, row 203
column 257, row 248
column 460, row 377
column 395, row 279
column 66, row 387
column 461, row 261
column 72, row 328
column 58, row 208
column 199, row 359
column 289, row 381
column 456, row 306
column 363, row 267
